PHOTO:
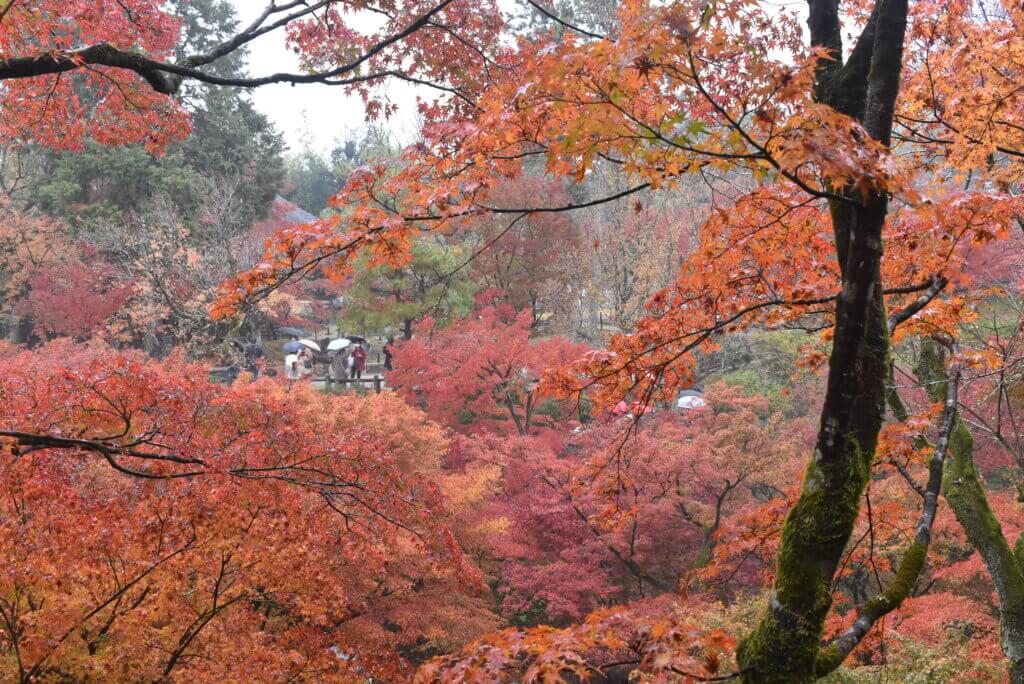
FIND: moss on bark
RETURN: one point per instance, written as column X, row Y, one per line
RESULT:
column 965, row 493
column 784, row 647
column 963, row 489
column 966, row 496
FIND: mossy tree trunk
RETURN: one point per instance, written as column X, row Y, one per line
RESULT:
column 965, row 493
column 785, row 645
column 908, row 571
column 966, row 496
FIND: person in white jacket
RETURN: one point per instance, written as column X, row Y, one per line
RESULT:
column 292, row 367
column 305, row 359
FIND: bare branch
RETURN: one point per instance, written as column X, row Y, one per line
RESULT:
column 558, row 20
column 166, row 78
column 938, row 284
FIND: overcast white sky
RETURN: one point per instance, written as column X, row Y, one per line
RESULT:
column 321, row 113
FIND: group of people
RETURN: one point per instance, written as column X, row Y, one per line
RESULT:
column 348, row 363
column 344, row 364
column 248, row 357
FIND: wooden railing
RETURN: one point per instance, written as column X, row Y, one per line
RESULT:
column 227, row 374
column 377, row 382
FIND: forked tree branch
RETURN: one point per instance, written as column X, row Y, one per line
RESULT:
column 912, row 563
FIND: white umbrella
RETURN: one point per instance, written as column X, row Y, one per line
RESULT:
column 311, row 344
column 340, row 343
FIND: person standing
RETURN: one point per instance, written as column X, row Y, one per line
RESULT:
column 254, row 356
column 387, row 354
column 358, row 361
column 291, row 367
column 339, row 366
column 305, row 357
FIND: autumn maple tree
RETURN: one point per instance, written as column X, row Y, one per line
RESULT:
column 850, row 184
column 525, row 263
column 600, row 520
column 484, row 369
column 124, row 57
column 813, row 126
column 210, row 521
column 72, row 299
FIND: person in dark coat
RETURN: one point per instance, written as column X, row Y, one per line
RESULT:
column 254, row 356
column 387, row 354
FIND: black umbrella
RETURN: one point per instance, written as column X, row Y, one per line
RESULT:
column 356, row 339
column 290, row 332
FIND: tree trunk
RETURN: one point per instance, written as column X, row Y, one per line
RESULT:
column 965, row 493
column 785, row 645
column 21, row 330
column 966, row 496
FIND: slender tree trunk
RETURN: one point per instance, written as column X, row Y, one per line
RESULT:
column 965, row 493
column 966, row 496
